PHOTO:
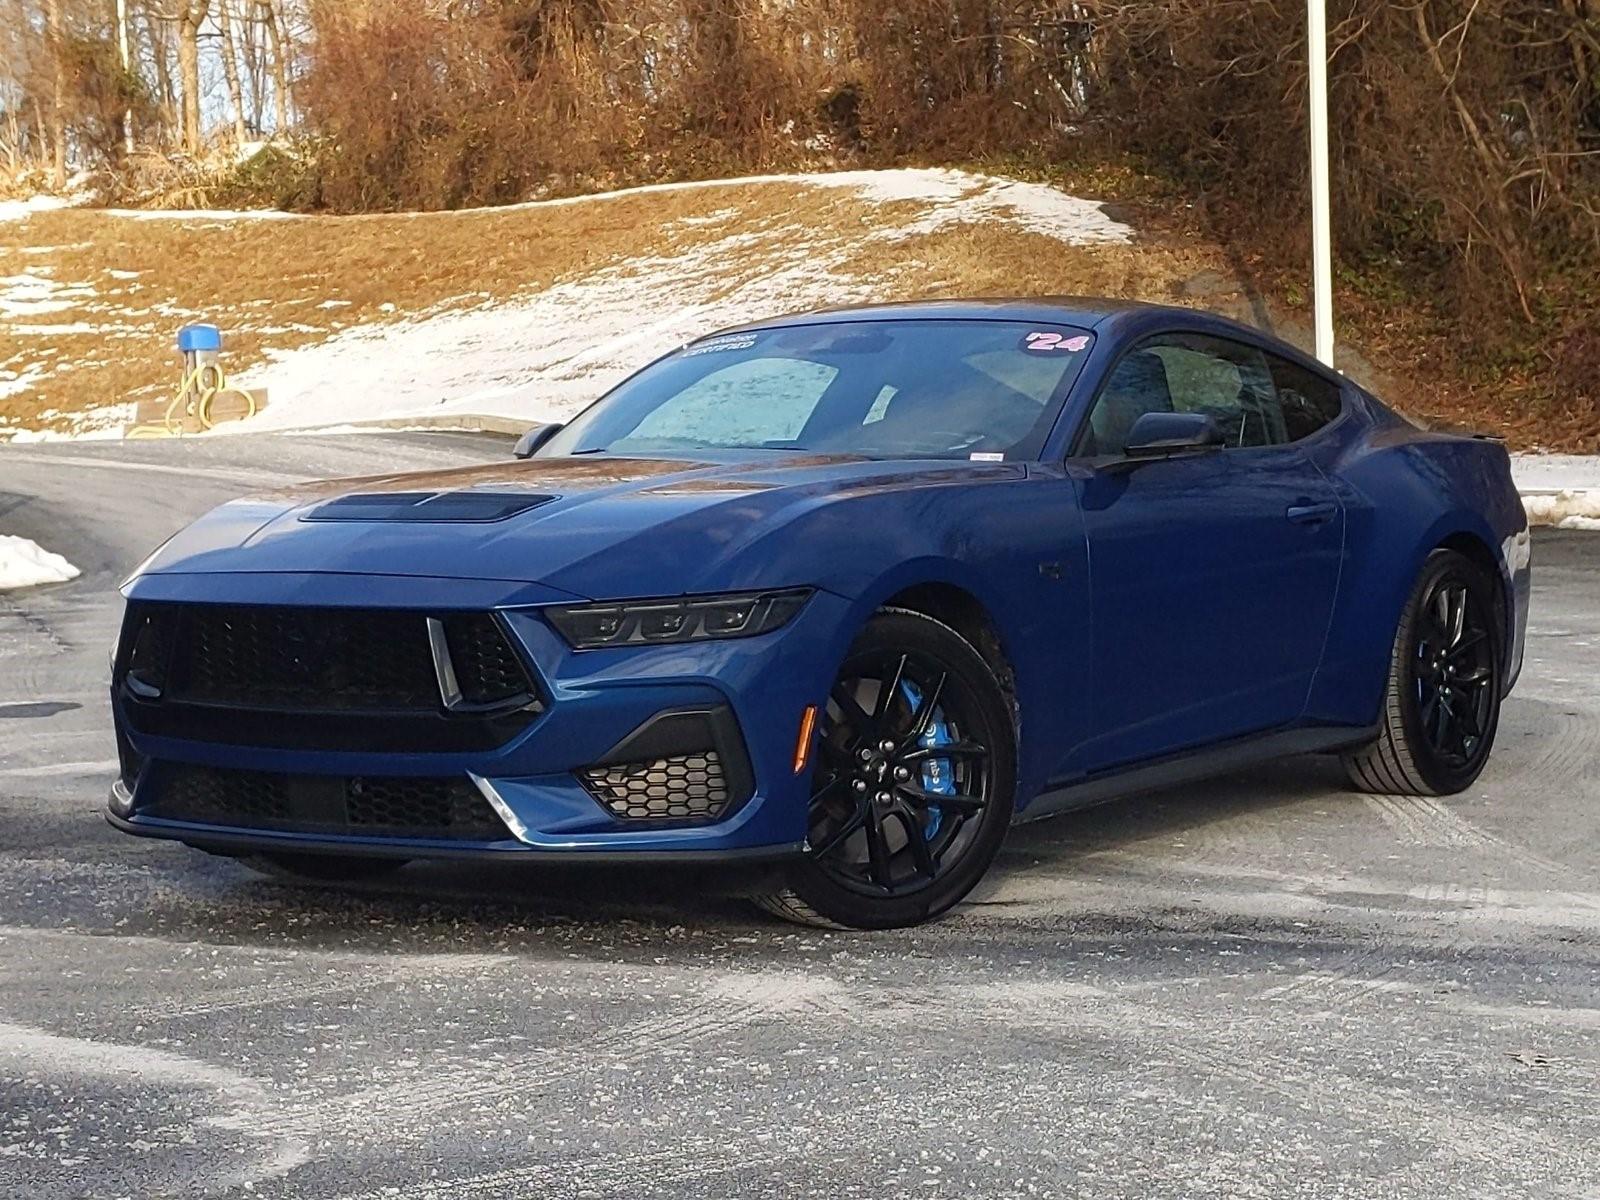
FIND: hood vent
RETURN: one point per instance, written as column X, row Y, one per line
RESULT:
column 469, row 506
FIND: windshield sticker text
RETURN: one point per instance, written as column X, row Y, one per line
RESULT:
column 1043, row 342
column 733, row 341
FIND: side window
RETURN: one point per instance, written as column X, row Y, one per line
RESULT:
column 1227, row 381
column 1308, row 400
column 744, row 404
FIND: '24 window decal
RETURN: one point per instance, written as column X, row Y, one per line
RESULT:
column 1047, row 342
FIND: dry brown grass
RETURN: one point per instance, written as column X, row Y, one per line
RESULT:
column 1004, row 260
column 266, row 282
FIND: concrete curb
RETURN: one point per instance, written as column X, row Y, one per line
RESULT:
column 466, row 423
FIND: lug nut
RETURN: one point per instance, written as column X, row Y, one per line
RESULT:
column 860, row 785
column 886, row 746
column 884, row 797
column 902, row 773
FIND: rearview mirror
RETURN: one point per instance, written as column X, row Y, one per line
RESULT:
column 528, row 444
column 1169, row 434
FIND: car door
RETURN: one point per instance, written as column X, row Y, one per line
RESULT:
column 1212, row 575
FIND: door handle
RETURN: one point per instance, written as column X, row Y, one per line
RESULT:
column 1311, row 514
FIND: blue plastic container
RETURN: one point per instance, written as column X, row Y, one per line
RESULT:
column 194, row 339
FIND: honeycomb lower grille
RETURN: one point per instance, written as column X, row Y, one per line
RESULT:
column 683, row 787
column 401, row 806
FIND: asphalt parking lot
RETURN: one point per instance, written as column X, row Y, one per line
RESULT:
column 1263, row 986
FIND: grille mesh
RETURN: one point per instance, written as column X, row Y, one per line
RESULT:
column 430, row 804
column 401, row 806
column 223, row 797
column 688, row 786
column 318, row 659
column 308, row 658
column 487, row 669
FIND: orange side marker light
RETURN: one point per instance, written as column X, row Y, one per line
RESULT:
column 802, row 747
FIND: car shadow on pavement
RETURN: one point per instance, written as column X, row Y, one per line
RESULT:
column 511, row 904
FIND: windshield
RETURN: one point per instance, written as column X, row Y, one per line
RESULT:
column 985, row 390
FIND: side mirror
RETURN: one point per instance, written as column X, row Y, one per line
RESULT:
column 528, row 444
column 1170, row 434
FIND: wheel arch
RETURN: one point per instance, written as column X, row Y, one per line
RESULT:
column 1472, row 547
column 968, row 615
column 1381, row 569
column 1477, row 551
column 942, row 590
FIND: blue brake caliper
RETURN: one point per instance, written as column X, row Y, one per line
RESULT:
column 938, row 774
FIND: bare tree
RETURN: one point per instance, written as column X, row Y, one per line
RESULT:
column 272, row 19
column 189, row 17
column 58, row 99
column 230, row 70
column 155, row 27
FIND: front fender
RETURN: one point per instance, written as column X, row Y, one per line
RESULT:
column 1015, row 548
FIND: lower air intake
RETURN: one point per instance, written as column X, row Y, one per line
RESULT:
column 396, row 806
column 683, row 787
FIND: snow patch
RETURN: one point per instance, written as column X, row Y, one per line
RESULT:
column 16, row 210
column 27, row 564
column 34, row 294
column 542, row 358
column 1041, row 209
column 1562, row 490
column 1564, row 509
column 202, row 214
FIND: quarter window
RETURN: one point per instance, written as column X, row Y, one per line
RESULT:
column 1309, row 401
column 1227, row 381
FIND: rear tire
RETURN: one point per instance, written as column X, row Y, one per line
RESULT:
column 323, row 868
column 898, row 831
column 1442, row 704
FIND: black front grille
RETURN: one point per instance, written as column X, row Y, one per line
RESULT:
column 682, row 787
column 323, row 678
column 403, row 806
column 261, row 657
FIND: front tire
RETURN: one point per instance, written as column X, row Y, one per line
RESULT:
column 1442, row 705
column 914, row 782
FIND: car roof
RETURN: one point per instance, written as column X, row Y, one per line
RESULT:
column 1085, row 311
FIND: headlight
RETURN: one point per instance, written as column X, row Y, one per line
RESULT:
column 662, row 622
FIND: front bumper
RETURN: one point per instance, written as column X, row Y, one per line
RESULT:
column 594, row 701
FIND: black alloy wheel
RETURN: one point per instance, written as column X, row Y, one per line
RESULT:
column 1453, row 669
column 1445, row 683
column 913, row 782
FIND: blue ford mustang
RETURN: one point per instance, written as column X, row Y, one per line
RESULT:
column 846, row 594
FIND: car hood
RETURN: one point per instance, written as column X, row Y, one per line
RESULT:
column 597, row 527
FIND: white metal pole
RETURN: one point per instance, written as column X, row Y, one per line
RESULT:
column 1321, row 203
column 122, row 49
